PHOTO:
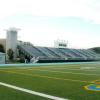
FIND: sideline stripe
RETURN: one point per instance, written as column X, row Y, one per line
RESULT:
column 44, row 76
column 64, row 72
column 32, row 92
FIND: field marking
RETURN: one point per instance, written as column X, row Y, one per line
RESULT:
column 45, row 76
column 32, row 92
column 62, row 72
column 46, row 68
column 94, row 81
column 40, row 69
column 36, row 67
column 53, row 67
column 75, row 69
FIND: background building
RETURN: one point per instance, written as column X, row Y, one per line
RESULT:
column 11, row 40
column 3, row 42
column 59, row 53
column 2, row 58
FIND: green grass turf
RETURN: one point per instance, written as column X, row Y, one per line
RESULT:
column 10, row 94
column 51, row 80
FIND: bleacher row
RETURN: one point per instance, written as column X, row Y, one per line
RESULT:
column 50, row 53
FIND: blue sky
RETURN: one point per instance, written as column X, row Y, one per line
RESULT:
column 43, row 21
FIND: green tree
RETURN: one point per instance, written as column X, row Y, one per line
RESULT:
column 2, row 48
column 10, row 54
column 96, row 49
column 22, row 58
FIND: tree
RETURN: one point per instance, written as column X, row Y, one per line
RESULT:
column 96, row 49
column 10, row 54
column 2, row 48
column 22, row 58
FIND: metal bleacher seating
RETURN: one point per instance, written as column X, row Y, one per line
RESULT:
column 50, row 53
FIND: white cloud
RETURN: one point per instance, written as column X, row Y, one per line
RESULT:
column 88, row 9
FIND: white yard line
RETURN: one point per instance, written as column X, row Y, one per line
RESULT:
column 32, row 92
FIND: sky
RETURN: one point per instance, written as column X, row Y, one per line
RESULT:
column 44, row 21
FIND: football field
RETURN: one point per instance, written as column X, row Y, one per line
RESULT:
column 50, row 82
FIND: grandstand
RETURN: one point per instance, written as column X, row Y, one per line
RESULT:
column 52, row 54
column 59, row 53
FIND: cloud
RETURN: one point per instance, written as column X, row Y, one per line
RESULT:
column 87, row 9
